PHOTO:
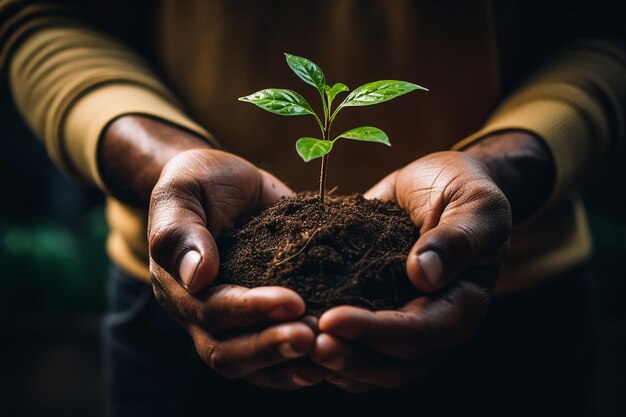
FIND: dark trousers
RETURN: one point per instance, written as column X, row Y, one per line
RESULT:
column 531, row 355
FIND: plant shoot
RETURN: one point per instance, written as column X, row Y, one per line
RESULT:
column 289, row 103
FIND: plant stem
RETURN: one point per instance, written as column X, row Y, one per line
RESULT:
column 326, row 108
column 324, row 165
column 325, row 136
column 322, row 191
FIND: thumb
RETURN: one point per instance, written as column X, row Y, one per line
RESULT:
column 459, row 240
column 383, row 189
column 179, row 241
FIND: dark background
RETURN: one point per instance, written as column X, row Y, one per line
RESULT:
column 53, row 267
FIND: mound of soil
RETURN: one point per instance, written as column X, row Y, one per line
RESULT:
column 349, row 251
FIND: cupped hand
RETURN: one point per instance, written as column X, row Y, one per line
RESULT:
column 239, row 332
column 465, row 223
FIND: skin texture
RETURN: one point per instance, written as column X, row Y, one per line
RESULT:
column 255, row 334
column 465, row 224
column 461, row 201
column 133, row 152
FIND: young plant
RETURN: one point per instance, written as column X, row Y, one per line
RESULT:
column 289, row 103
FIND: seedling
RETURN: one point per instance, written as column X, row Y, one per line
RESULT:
column 289, row 103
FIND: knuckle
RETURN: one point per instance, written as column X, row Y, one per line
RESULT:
column 476, row 301
column 204, row 317
column 186, row 307
column 216, row 359
column 160, row 295
column 161, row 240
column 473, row 308
column 212, row 358
column 467, row 237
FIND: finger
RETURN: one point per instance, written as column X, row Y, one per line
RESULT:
column 473, row 225
column 311, row 321
column 198, row 194
column 298, row 373
column 365, row 366
column 226, row 308
column 272, row 189
column 246, row 354
column 418, row 328
column 230, row 307
column 179, row 241
column 384, row 189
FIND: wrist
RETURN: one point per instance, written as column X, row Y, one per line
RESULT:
column 521, row 165
column 133, row 151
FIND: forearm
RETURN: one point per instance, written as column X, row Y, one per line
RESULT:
column 521, row 165
column 69, row 81
column 133, row 151
column 575, row 105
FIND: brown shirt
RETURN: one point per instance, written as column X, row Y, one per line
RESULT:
column 239, row 50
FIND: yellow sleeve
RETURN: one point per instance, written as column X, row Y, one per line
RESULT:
column 576, row 104
column 69, row 81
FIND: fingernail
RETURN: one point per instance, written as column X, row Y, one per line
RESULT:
column 288, row 351
column 188, row 266
column 432, row 267
column 335, row 364
column 298, row 380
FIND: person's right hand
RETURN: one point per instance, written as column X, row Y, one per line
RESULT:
column 237, row 331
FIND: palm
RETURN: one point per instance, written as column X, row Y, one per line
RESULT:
column 465, row 222
column 239, row 332
column 453, row 192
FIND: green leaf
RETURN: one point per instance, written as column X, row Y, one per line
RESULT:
column 311, row 148
column 379, row 92
column 280, row 101
column 336, row 89
column 367, row 134
column 307, row 70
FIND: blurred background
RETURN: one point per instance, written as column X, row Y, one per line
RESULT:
column 52, row 270
column 53, row 267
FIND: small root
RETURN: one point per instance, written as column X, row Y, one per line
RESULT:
column 299, row 251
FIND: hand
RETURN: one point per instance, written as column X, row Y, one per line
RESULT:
column 239, row 332
column 465, row 223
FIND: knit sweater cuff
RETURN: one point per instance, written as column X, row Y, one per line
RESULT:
column 552, row 120
column 92, row 113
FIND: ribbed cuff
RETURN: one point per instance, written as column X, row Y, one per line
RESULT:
column 87, row 119
column 559, row 125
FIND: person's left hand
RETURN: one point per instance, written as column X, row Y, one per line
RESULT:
column 465, row 223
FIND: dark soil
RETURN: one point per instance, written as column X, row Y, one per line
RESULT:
column 349, row 251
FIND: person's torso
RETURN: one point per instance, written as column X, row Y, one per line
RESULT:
column 214, row 52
